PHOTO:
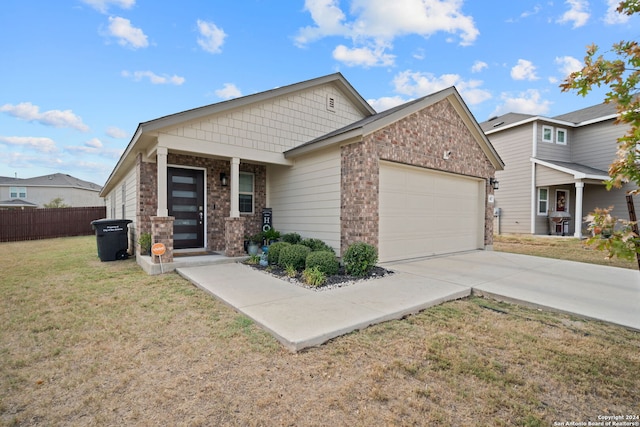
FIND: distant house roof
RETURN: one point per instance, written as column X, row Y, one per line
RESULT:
column 53, row 180
column 17, row 203
column 584, row 116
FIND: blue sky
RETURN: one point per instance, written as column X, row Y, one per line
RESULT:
column 77, row 76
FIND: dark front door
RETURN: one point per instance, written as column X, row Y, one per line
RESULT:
column 185, row 201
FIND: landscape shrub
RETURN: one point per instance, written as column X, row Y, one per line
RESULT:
column 317, row 245
column 360, row 258
column 293, row 238
column 325, row 261
column 274, row 251
column 314, row 277
column 293, row 255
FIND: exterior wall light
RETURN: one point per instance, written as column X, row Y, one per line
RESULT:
column 224, row 181
column 494, row 183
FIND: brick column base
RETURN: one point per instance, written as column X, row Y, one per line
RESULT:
column 162, row 232
column 234, row 237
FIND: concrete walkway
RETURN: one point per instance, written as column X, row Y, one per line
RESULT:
column 301, row 318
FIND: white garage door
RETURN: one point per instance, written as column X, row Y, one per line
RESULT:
column 425, row 213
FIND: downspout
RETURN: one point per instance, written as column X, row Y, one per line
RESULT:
column 534, row 153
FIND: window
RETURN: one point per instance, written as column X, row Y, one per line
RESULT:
column 547, row 134
column 18, row 192
column 246, row 193
column 561, row 136
column 543, row 201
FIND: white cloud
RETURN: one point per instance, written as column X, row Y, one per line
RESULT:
column 378, row 22
column 45, row 145
column 57, row 118
column 568, row 64
column 103, row 5
column 212, row 37
column 479, row 66
column 127, row 34
column 154, row 78
column 578, row 13
column 386, row 102
column 228, row 91
column 363, row 56
column 613, row 17
column 419, row 84
column 524, row 70
column 115, row 132
column 529, row 102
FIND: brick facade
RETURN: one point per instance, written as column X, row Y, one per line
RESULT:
column 419, row 139
column 162, row 232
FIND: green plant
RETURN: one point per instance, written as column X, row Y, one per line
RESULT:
column 274, row 251
column 290, row 270
column 294, row 255
column 255, row 238
column 314, row 276
column 325, row 261
column 360, row 258
column 145, row 243
column 293, row 238
column 621, row 241
column 270, row 235
column 58, row 202
column 253, row 259
column 317, row 245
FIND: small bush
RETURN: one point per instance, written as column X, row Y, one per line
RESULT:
column 360, row 258
column 274, row 251
column 293, row 238
column 253, row 260
column 314, row 277
column 324, row 260
column 317, row 245
column 290, row 270
column 293, row 255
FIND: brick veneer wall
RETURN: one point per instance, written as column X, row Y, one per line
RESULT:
column 217, row 198
column 419, row 140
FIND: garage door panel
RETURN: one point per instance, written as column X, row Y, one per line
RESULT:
column 425, row 212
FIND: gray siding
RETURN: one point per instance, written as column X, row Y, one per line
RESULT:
column 596, row 144
column 514, row 196
column 552, row 150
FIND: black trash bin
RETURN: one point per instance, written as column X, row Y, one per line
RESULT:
column 112, row 238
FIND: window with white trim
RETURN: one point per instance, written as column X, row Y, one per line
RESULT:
column 18, row 192
column 547, row 134
column 561, row 136
column 543, row 201
column 245, row 201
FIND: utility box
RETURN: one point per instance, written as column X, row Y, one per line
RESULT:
column 112, row 238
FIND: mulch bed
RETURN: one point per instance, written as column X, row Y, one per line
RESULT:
column 335, row 281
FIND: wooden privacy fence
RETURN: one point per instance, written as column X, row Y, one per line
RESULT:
column 35, row 224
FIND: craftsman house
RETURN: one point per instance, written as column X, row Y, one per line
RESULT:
column 413, row 181
column 555, row 169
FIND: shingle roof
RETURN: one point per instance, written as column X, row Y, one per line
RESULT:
column 577, row 167
column 53, row 180
column 504, row 120
column 16, row 203
column 589, row 113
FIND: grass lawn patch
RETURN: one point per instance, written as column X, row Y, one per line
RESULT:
column 90, row 343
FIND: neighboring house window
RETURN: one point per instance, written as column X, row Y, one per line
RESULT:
column 18, row 192
column 246, row 193
column 543, row 201
column 561, row 136
column 547, row 134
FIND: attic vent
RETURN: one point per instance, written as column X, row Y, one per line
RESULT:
column 498, row 124
column 331, row 103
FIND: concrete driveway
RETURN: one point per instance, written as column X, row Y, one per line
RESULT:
column 301, row 318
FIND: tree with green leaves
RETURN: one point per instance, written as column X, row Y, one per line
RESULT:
column 58, row 202
column 619, row 70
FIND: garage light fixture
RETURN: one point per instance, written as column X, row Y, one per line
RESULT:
column 494, row 183
column 224, row 181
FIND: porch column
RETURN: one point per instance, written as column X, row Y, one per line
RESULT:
column 578, row 210
column 161, row 156
column 235, row 188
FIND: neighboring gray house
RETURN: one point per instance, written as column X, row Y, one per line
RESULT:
column 22, row 193
column 555, row 168
column 413, row 180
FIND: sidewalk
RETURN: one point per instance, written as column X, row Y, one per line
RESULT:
column 301, row 318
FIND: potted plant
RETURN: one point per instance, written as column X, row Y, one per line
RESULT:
column 254, row 244
column 145, row 243
column 270, row 236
